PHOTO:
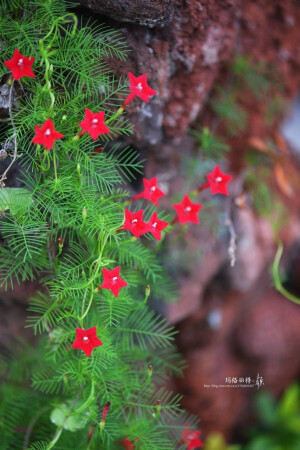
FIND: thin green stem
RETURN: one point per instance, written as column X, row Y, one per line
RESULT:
column 55, row 166
column 87, row 309
column 31, row 425
column 98, row 263
column 88, row 400
column 55, row 438
column 61, row 427
column 46, row 52
column 276, row 277
column 117, row 114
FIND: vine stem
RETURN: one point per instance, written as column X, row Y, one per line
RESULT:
column 61, row 427
column 87, row 309
column 275, row 272
column 54, row 165
column 117, row 114
column 15, row 154
column 31, row 425
column 46, row 52
column 98, row 266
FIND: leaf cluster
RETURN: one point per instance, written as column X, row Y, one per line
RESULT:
column 78, row 195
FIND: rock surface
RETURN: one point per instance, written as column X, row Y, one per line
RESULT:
column 150, row 13
column 257, row 334
column 185, row 58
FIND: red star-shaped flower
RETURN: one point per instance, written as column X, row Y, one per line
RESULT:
column 156, row 226
column 218, row 181
column 187, row 211
column 93, row 124
column 191, row 439
column 112, row 281
column 134, row 223
column 128, row 445
column 46, row 134
column 151, row 191
column 20, row 65
column 140, row 88
column 86, row 340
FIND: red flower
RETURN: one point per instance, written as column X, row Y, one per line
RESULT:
column 46, row 134
column 128, row 445
column 112, row 281
column 151, row 191
column 134, row 223
column 218, row 181
column 191, row 438
column 93, row 124
column 139, row 87
column 86, row 340
column 187, row 211
column 20, row 65
column 156, row 226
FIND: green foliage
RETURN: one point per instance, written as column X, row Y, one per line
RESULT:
column 279, row 425
column 250, row 75
column 53, row 395
column 16, row 200
column 226, row 106
column 212, row 146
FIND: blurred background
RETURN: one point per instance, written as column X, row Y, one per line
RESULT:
column 228, row 76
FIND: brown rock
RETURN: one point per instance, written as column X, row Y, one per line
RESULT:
column 218, row 407
column 255, row 249
column 267, row 336
column 185, row 58
column 150, row 13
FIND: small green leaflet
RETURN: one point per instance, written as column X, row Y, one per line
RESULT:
column 63, row 416
column 15, row 200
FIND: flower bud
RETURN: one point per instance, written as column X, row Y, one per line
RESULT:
column 158, row 408
column 147, row 292
column 149, row 374
column 104, row 414
column 105, row 410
